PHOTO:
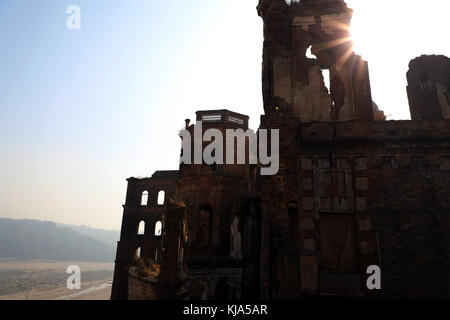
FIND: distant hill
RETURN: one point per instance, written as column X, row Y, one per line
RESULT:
column 106, row 236
column 33, row 239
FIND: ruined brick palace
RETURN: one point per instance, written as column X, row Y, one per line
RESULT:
column 353, row 189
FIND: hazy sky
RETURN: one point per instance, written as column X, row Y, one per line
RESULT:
column 82, row 110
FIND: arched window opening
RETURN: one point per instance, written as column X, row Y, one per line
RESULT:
column 425, row 83
column 327, row 79
column 138, row 252
column 141, row 228
column 204, row 232
column 235, row 245
column 144, row 198
column 254, row 172
column 198, row 291
column 224, row 292
column 309, row 53
column 185, row 231
column 293, row 220
column 161, row 197
column 158, row 228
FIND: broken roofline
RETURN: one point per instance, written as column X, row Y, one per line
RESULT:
column 213, row 153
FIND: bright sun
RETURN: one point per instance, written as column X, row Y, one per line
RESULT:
column 360, row 30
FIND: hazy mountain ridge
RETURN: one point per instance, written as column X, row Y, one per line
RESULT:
column 106, row 236
column 34, row 239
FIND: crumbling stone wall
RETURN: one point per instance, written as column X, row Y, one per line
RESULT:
column 135, row 212
column 280, row 263
column 292, row 82
column 429, row 88
column 141, row 288
column 225, row 192
column 400, row 173
column 350, row 192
